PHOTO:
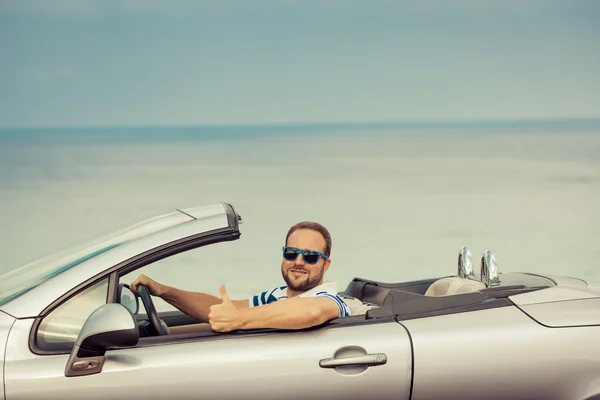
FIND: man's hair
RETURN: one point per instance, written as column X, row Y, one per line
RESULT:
column 315, row 226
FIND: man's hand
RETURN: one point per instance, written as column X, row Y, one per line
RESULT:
column 224, row 317
column 155, row 288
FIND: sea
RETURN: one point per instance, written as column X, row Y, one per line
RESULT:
column 399, row 199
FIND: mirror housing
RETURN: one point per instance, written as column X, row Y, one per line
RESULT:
column 109, row 326
column 127, row 299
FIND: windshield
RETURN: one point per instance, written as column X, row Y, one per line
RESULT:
column 20, row 280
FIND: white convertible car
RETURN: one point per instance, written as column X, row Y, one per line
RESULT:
column 70, row 328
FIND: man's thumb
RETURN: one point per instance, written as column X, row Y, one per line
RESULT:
column 224, row 294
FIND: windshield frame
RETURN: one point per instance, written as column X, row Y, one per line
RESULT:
column 18, row 281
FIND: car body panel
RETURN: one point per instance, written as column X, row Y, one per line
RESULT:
column 567, row 280
column 6, row 322
column 582, row 312
column 33, row 302
column 500, row 354
column 564, row 291
column 262, row 366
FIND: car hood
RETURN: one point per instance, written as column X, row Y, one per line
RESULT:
column 6, row 322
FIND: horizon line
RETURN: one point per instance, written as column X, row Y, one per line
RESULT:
column 352, row 124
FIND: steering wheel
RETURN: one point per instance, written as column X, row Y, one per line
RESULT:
column 157, row 324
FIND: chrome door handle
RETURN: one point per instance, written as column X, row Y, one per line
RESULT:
column 368, row 360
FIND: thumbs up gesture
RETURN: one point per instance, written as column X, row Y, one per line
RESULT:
column 224, row 317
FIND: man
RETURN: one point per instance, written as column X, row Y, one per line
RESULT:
column 308, row 300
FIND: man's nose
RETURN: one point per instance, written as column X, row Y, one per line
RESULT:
column 299, row 260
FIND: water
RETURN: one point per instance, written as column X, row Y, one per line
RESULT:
column 398, row 200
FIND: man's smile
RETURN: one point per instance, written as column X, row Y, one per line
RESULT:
column 298, row 272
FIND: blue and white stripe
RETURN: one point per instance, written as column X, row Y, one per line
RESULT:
column 269, row 296
column 344, row 310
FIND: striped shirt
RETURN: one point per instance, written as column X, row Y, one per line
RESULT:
column 327, row 289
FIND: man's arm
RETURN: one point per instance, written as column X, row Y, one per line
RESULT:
column 295, row 313
column 196, row 305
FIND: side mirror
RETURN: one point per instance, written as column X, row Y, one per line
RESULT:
column 465, row 263
column 109, row 326
column 126, row 297
column 490, row 275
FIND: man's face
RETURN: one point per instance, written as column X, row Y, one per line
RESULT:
column 299, row 275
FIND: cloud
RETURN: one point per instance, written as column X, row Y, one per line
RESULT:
column 254, row 61
column 54, row 8
column 13, row 8
column 19, row 8
column 42, row 75
column 25, row 8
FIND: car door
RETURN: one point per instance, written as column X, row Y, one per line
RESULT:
column 264, row 365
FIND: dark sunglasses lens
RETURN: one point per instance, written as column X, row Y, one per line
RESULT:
column 290, row 254
column 311, row 257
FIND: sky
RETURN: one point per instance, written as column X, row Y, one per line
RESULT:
column 77, row 63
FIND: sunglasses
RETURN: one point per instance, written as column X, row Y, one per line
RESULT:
column 309, row 256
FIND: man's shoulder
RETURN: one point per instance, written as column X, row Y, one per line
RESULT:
column 329, row 290
column 325, row 287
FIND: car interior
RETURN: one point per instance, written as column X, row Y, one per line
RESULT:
column 371, row 300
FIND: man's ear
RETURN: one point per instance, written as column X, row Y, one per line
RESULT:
column 327, row 263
